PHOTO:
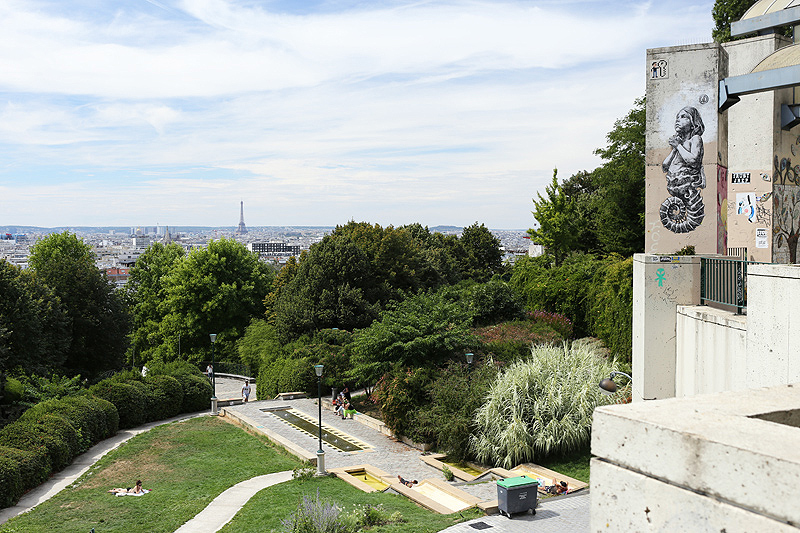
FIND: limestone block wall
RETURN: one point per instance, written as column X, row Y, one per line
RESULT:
column 722, row 462
column 711, row 351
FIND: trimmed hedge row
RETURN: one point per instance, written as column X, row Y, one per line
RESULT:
column 139, row 400
column 49, row 435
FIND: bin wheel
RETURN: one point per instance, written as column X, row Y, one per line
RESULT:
column 534, row 512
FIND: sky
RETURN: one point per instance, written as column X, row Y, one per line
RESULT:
column 171, row 112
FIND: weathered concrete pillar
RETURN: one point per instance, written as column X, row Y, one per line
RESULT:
column 660, row 284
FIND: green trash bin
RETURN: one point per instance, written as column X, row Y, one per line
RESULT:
column 516, row 495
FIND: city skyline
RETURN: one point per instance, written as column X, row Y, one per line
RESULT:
column 313, row 114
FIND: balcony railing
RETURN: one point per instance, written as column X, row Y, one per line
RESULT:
column 723, row 281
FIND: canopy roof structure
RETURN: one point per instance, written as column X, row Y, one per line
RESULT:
column 779, row 70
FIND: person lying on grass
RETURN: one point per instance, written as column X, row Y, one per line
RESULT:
column 130, row 490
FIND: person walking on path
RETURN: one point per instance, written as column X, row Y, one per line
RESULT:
column 246, row 391
column 210, row 371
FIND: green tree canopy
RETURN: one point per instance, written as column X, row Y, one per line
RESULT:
column 147, row 288
column 424, row 330
column 558, row 225
column 217, row 289
column 725, row 12
column 483, row 257
column 35, row 324
column 97, row 314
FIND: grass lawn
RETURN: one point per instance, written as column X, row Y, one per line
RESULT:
column 574, row 465
column 265, row 511
column 186, row 464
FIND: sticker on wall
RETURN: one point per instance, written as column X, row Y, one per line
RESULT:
column 761, row 237
column 745, row 205
column 683, row 211
column 740, row 177
column 658, row 69
column 765, row 176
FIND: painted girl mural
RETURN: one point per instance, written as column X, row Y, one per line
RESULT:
column 684, row 211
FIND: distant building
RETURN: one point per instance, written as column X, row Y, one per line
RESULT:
column 274, row 248
column 242, row 229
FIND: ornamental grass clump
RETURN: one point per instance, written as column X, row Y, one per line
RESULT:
column 541, row 406
column 315, row 515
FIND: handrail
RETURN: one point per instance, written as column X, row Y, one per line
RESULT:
column 723, row 280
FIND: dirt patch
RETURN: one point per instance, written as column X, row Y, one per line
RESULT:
column 124, row 472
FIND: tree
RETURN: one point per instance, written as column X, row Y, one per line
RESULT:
column 424, row 330
column 483, row 257
column 97, row 314
column 218, row 289
column 725, row 12
column 620, row 180
column 558, row 227
column 147, row 288
column 35, row 324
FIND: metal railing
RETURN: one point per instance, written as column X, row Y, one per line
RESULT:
column 724, row 281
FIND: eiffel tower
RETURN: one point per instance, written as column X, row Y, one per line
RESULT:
column 242, row 229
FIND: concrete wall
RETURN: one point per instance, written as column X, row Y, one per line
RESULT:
column 710, row 351
column 708, row 463
column 690, row 212
column 773, row 333
column 753, row 136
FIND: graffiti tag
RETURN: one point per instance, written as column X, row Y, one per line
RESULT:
column 660, row 277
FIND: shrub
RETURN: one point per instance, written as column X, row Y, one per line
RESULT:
column 126, row 398
column 197, row 392
column 399, row 394
column 87, row 414
column 287, row 375
column 10, row 482
column 13, row 392
column 455, row 396
column 34, row 464
column 30, row 435
column 611, row 313
column 315, row 516
column 448, row 474
column 168, row 393
column 542, row 406
column 494, row 302
column 39, row 388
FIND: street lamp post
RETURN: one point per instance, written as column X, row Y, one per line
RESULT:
column 320, row 452
column 470, row 359
column 214, row 410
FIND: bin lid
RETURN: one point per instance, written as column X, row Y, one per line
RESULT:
column 519, row 481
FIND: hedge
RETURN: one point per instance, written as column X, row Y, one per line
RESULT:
column 287, row 375
column 29, row 435
column 10, row 482
column 168, row 394
column 34, row 464
column 89, row 415
column 197, row 392
column 126, row 399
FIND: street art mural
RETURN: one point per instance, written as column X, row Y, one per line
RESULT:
column 786, row 221
column 684, row 211
column 722, row 209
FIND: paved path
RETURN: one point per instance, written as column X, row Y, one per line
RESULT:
column 565, row 514
column 225, row 506
column 561, row 514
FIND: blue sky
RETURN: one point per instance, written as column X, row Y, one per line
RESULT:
column 144, row 112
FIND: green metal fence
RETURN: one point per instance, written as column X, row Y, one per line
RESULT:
column 724, row 281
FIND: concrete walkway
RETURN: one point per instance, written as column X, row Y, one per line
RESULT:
column 225, row 506
column 554, row 515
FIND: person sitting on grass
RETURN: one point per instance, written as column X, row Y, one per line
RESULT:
column 137, row 489
column 406, row 482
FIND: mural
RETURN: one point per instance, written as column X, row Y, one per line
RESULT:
column 684, row 211
column 722, row 209
column 786, row 219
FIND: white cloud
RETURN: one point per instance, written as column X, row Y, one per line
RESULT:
column 457, row 110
